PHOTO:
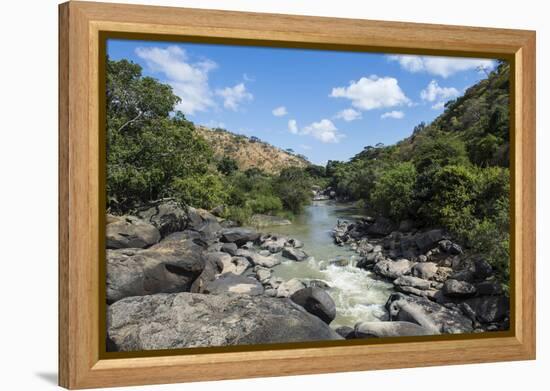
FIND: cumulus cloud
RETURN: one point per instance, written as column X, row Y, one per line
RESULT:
column 372, row 92
column 393, row 114
column 188, row 80
column 234, row 96
column 348, row 115
column 441, row 66
column 293, row 126
column 324, row 131
column 434, row 93
column 279, row 111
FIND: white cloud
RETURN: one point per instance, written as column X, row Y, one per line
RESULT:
column 234, row 96
column 293, row 126
column 324, row 131
column 434, row 92
column 441, row 66
column 372, row 92
column 188, row 80
column 248, row 78
column 279, row 111
column 438, row 106
column 348, row 115
column 305, row 147
column 393, row 114
column 215, row 124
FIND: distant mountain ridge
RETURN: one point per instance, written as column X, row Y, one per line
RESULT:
column 250, row 152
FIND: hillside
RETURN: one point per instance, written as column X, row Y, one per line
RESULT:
column 250, row 152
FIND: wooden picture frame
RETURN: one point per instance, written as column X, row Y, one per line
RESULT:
column 82, row 27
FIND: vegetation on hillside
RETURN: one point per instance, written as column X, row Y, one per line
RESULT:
column 154, row 152
column 452, row 173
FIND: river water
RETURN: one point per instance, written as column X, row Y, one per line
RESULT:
column 358, row 294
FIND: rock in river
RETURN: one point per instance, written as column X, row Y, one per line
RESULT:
column 167, row 216
column 181, row 320
column 455, row 288
column 294, row 254
column 392, row 269
column 317, row 302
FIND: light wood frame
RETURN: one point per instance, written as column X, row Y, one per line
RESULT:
column 80, row 26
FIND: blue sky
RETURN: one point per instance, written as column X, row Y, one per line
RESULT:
column 326, row 105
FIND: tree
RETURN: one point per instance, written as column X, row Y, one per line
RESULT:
column 149, row 151
column 227, row 166
column 393, row 193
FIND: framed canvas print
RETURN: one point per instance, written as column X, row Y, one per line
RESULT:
column 247, row 195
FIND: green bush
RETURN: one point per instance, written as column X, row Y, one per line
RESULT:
column 202, row 191
column 393, row 192
column 265, row 204
column 293, row 187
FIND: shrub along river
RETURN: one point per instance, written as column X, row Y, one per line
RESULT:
column 358, row 294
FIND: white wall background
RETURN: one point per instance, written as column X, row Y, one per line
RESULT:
column 28, row 193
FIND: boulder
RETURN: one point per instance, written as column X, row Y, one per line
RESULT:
column 234, row 265
column 232, row 283
column 317, row 302
column 183, row 320
column 490, row 309
column 203, row 222
column 167, row 216
column 425, row 270
column 411, row 281
column 381, row 227
column 274, row 244
column 212, row 267
column 318, row 284
column 450, row 247
column 261, row 220
column 389, row 329
column 340, row 261
column 263, row 274
column 346, row 332
column 459, row 289
column 288, row 288
column 432, row 316
column 406, row 226
column 131, row 232
column 294, row 243
column 429, row 239
column 239, row 236
column 257, row 259
column 489, row 288
column 481, row 269
column 218, row 211
column 294, row 254
column 125, row 276
column 230, row 248
column 392, row 269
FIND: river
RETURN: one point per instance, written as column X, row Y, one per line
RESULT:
column 358, row 294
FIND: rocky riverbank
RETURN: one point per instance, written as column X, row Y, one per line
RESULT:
column 439, row 287
column 181, row 277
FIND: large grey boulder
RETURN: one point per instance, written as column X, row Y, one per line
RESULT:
column 389, row 329
column 425, row 270
column 392, row 269
column 258, row 259
column 171, row 265
column 232, row 283
column 317, row 302
column 166, row 216
column 288, row 288
column 381, row 227
column 411, row 281
column 239, row 236
column 295, row 254
column 429, row 239
column 235, row 265
column 182, row 320
column 131, row 232
column 430, row 315
column 213, row 266
column 489, row 309
column 125, row 276
column 203, row 222
column 459, row 289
